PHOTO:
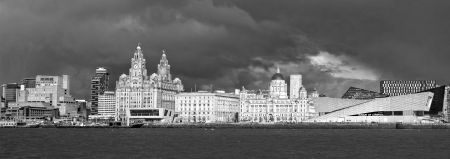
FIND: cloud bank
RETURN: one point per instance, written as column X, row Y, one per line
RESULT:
column 229, row 44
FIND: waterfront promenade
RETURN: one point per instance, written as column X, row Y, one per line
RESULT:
column 264, row 126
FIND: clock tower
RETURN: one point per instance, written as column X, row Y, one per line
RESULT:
column 138, row 71
column 164, row 68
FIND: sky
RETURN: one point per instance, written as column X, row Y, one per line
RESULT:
column 229, row 44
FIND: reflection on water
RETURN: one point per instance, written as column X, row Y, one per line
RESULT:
column 223, row 143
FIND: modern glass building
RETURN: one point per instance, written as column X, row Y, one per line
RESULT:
column 99, row 84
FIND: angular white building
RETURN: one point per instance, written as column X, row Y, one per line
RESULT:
column 146, row 98
column 207, row 107
column 411, row 108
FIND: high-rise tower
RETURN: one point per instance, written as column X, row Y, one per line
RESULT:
column 295, row 85
column 99, row 84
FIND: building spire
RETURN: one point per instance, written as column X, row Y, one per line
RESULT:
column 278, row 69
column 139, row 46
column 164, row 54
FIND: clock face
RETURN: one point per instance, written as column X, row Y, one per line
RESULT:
column 135, row 66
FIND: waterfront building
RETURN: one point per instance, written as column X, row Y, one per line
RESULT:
column 359, row 93
column 207, row 107
column 99, row 84
column 31, row 113
column 411, row 108
column 54, row 90
column 274, row 105
column 417, row 107
column 9, row 93
column 440, row 106
column 403, row 87
column 107, row 104
column 144, row 98
column 278, row 86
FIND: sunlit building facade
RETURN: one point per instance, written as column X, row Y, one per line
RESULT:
column 411, row 108
column 275, row 105
column 207, row 107
column 146, row 98
column 107, row 104
column 295, row 85
column 54, row 90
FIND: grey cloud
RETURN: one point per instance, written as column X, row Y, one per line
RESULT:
column 224, row 43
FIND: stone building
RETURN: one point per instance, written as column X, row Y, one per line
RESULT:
column 275, row 105
column 146, row 98
column 207, row 107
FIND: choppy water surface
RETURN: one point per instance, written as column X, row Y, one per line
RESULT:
column 223, row 143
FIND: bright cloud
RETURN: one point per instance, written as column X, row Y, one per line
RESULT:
column 342, row 66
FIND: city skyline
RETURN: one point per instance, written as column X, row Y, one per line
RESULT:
column 228, row 44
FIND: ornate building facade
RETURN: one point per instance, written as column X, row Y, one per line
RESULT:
column 275, row 105
column 207, row 107
column 143, row 97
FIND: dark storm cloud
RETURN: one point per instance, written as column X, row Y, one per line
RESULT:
column 227, row 44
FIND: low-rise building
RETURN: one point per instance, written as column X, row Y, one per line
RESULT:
column 207, row 107
column 31, row 113
column 410, row 108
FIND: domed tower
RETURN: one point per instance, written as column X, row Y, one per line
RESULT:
column 164, row 68
column 278, row 86
column 303, row 94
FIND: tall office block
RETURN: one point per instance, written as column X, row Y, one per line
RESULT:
column 295, row 85
column 99, row 84
column 107, row 104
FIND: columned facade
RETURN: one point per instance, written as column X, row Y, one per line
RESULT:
column 275, row 106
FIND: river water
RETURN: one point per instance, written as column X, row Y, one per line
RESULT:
column 224, row 143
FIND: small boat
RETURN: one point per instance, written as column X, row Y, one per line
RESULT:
column 137, row 125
